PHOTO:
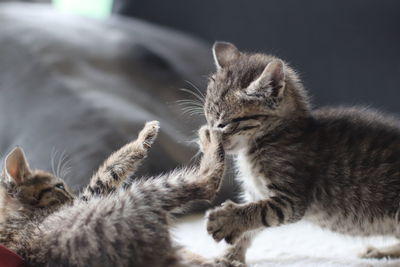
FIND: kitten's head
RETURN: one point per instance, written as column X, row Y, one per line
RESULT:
column 250, row 94
column 31, row 189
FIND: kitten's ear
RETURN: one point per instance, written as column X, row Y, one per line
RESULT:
column 16, row 167
column 225, row 54
column 271, row 81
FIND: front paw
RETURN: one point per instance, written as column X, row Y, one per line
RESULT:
column 149, row 133
column 225, row 222
column 204, row 141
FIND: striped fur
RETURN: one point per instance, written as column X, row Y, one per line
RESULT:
column 125, row 227
column 338, row 168
column 121, row 164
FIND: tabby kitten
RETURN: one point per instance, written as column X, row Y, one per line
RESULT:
column 106, row 226
column 336, row 167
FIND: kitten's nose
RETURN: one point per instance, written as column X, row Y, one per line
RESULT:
column 221, row 125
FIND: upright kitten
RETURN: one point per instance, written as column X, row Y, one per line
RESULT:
column 337, row 167
column 106, row 226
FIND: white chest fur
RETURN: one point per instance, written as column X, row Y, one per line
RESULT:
column 254, row 183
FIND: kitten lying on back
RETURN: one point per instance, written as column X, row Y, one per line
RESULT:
column 107, row 226
column 339, row 168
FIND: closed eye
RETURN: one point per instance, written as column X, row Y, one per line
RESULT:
column 246, row 128
column 235, row 124
column 239, row 119
column 246, row 118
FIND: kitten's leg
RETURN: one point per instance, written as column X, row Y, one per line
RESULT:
column 385, row 252
column 122, row 163
column 175, row 189
column 237, row 251
column 231, row 220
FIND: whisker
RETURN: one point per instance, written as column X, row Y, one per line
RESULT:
column 53, row 154
column 189, row 101
column 192, row 111
column 58, row 165
column 60, row 162
column 192, row 108
column 65, row 172
column 196, row 88
column 190, row 104
column 199, row 97
column 65, row 169
column 195, row 106
column 188, row 107
column 187, row 110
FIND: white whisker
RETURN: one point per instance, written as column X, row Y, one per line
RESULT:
column 196, row 88
column 65, row 169
column 53, row 154
column 192, row 107
column 187, row 102
column 199, row 97
column 60, row 162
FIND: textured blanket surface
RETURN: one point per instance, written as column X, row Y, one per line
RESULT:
column 300, row 244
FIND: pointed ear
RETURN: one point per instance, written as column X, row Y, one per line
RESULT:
column 224, row 54
column 16, row 167
column 271, row 81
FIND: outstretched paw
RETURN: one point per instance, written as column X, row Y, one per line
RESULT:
column 210, row 141
column 149, row 133
column 225, row 222
column 204, row 138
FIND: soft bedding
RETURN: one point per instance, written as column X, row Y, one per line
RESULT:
column 297, row 245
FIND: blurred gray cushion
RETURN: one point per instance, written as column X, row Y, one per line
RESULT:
column 87, row 86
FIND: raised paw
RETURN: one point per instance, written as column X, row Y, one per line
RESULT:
column 225, row 222
column 149, row 133
column 204, row 138
column 210, row 141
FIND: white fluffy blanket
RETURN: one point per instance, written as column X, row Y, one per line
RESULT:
column 301, row 244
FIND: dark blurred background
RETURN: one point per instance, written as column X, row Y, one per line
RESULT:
column 347, row 52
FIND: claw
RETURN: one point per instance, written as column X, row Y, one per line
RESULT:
column 149, row 133
column 229, row 239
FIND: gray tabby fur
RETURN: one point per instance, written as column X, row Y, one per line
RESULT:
column 108, row 225
column 336, row 167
